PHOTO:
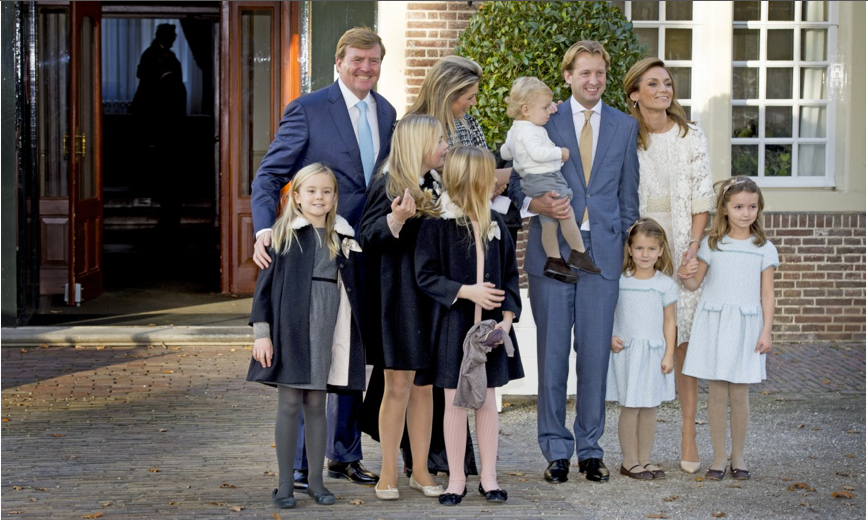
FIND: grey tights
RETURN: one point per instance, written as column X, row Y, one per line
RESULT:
column 289, row 402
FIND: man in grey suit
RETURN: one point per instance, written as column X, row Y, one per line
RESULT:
column 603, row 172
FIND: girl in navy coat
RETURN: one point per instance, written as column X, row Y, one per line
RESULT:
column 465, row 261
column 396, row 311
column 304, row 319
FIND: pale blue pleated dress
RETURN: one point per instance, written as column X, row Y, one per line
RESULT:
column 729, row 317
column 635, row 379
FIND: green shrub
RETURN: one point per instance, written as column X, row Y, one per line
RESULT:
column 514, row 39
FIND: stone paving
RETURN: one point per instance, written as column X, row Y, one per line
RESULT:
column 174, row 432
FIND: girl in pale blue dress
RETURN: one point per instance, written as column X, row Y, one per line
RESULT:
column 732, row 328
column 643, row 345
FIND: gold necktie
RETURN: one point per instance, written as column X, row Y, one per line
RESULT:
column 586, row 151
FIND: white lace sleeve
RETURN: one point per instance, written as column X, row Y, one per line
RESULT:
column 700, row 173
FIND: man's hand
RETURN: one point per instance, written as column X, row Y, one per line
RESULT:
column 260, row 250
column 550, row 206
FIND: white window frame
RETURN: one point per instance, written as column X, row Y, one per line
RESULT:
column 662, row 24
column 830, row 103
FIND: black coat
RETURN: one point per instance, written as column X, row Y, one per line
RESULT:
column 446, row 260
column 282, row 298
column 396, row 314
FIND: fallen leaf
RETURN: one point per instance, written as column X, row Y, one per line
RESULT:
column 274, row 445
column 41, row 489
column 14, row 512
column 699, row 479
column 850, row 456
column 58, row 435
column 237, row 509
column 24, row 351
column 44, row 345
column 356, row 502
column 17, row 488
column 32, row 499
column 94, row 515
column 673, row 498
column 734, row 485
column 816, row 429
column 842, row 473
column 251, row 348
column 162, row 430
column 270, row 473
column 765, row 392
column 231, row 350
column 218, row 504
column 655, row 515
column 853, row 431
column 661, row 420
column 804, row 504
column 842, row 494
column 153, row 470
column 227, row 485
column 801, row 485
column 700, row 422
column 801, row 426
column 276, row 516
column 100, row 347
column 105, row 504
column 5, row 419
column 168, row 371
column 522, row 480
column 172, row 503
column 718, row 514
column 826, row 381
column 849, row 488
column 79, row 347
column 516, row 473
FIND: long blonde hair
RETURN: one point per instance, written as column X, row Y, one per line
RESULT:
column 468, row 177
column 444, row 83
column 414, row 138
column 720, row 225
column 651, row 229
column 632, row 83
column 282, row 233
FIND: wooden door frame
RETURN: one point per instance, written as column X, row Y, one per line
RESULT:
column 236, row 244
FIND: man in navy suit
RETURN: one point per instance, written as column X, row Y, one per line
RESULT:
column 348, row 127
column 603, row 172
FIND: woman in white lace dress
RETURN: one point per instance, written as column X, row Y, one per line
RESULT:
column 675, row 189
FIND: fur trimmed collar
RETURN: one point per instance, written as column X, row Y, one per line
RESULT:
column 342, row 227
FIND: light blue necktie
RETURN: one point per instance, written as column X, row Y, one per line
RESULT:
column 366, row 141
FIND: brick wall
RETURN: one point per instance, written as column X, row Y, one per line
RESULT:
column 820, row 285
column 432, row 32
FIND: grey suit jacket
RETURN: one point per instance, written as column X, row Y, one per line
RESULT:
column 611, row 196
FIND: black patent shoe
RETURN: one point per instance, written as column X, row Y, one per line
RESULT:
column 452, row 499
column 352, row 471
column 282, row 503
column 557, row 471
column 299, row 478
column 495, row 495
column 323, row 499
column 594, row 470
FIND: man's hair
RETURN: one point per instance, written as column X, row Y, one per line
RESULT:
column 359, row 38
column 589, row 46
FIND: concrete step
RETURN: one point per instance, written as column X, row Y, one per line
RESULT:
column 126, row 335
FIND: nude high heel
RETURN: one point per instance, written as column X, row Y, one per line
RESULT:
column 689, row 467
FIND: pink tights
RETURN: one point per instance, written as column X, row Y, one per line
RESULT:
column 455, row 434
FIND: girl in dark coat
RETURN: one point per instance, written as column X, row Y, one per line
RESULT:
column 396, row 312
column 466, row 262
column 304, row 319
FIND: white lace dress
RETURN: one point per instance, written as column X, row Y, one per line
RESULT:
column 675, row 184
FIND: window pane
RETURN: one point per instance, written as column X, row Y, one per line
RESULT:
column 812, row 122
column 779, row 160
column 813, row 85
column 780, row 44
column 679, row 43
column 814, row 44
column 686, row 112
column 779, row 121
column 779, row 83
column 645, row 10
column 256, row 92
column 812, row 160
column 648, row 37
column 744, row 159
column 815, row 11
column 745, row 44
column 679, row 10
column 744, row 121
column 681, row 78
column 745, row 83
column 746, row 11
column 782, row 11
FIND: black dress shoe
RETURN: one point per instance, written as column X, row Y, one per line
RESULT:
column 557, row 471
column 299, row 477
column 282, row 503
column 495, row 495
column 352, row 471
column 594, row 470
column 452, row 499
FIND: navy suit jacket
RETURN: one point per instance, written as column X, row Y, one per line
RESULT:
column 612, row 196
column 317, row 128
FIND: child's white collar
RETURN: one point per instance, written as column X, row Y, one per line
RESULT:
column 448, row 210
column 342, row 227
